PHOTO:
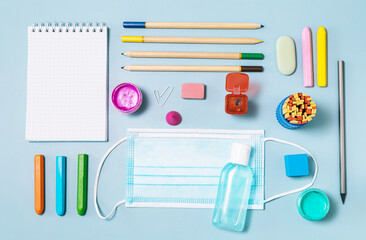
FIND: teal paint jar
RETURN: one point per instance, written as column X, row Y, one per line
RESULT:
column 313, row 204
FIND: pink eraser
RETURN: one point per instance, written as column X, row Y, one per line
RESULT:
column 173, row 118
column 193, row 90
column 307, row 57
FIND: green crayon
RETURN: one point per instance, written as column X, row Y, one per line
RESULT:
column 82, row 194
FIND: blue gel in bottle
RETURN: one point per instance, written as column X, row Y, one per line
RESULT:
column 234, row 190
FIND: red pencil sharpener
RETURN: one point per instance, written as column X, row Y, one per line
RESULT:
column 236, row 103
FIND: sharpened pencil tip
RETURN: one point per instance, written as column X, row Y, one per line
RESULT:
column 343, row 196
column 123, row 67
column 122, row 53
column 260, row 41
column 262, row 26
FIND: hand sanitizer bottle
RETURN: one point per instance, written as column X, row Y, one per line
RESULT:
column 234, row 190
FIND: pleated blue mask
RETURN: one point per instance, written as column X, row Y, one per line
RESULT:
column 181, row 168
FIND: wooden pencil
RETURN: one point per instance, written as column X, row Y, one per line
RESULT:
column 144, row 39
column 192, row 68
column 212, row 55
column 191, row 25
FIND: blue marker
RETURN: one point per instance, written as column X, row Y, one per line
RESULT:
column 60, row 185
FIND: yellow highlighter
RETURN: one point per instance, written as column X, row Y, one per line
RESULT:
column 322, row 57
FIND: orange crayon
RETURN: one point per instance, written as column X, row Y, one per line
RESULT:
column 39, row 184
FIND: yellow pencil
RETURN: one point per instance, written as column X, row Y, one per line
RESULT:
column 144, row 39
column 192, row 68
column 322, row 57
column 191, row 25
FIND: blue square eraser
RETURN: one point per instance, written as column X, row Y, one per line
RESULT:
column 296, row 165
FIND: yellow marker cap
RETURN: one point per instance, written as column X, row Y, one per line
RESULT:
column 132, row 39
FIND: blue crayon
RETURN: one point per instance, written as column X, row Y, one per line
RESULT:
column 60, row 185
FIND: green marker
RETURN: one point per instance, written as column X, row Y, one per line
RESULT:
column 82, row 183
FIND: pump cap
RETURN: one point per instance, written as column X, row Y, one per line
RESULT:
column 240, row 153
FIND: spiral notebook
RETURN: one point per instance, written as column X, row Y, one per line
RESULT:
column 67, row 83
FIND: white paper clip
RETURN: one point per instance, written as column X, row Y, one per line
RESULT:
column 157, row 96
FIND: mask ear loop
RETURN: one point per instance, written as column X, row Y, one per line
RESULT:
column 97, row 180
column 298, row 189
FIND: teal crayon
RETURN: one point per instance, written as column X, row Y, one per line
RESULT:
column 60, row 185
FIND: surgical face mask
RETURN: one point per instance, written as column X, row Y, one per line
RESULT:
column 181, row 168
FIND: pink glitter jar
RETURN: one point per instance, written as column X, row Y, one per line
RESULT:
column 127, row 97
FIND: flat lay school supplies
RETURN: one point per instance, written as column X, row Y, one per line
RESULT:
column 213, row 55
column 342, row 143
column 296, row 165
column 193, row 91
column 67, row 83
column 307, row 57
column 60, row 185
column 313, row 204
column 39, row 184
column 234, row 190
column 127, row 97
column 192, row 153
column 182, row 168
column 286, row 55
column 236, row 102
column 322, row 57
column 82, row 184
column 191, row 25
column 192, row 68
column 213, row 40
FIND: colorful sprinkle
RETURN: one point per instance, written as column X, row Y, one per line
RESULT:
column 299, row 109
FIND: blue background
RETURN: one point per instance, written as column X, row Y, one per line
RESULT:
column 344, row 21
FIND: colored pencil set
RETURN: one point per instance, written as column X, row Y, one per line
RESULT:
column 203, row 55
column 299, row 109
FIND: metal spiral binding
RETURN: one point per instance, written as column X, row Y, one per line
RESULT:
column 68, row 27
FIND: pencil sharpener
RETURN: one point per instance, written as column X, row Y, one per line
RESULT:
column 236, row 103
